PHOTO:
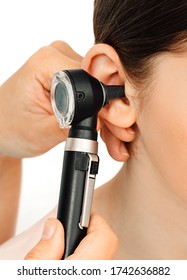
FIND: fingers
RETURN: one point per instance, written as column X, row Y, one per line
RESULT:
column 122, row 133
column 56, row 135
column 119, row 113
column 115, row 122
column 49, row 60
column 99, row 244
column 51, row 245
column 65, row 49
column 116, row 148
column 115, row 138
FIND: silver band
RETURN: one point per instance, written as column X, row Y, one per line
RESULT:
column 81, row 145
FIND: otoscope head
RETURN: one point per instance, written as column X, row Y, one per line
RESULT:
column 76, row 95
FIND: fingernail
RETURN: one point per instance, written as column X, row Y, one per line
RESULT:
column 49, row 230
column 123, row 151
column 130, row 130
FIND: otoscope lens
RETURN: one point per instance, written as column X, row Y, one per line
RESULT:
column 62, row 99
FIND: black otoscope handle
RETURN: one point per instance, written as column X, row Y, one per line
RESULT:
column 70, row 200
column 80, row 167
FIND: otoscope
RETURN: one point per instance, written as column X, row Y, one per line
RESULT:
column 76, row 99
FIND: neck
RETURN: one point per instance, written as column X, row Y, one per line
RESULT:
column 153, row 217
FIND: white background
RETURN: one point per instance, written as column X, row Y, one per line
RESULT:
column 26, row 26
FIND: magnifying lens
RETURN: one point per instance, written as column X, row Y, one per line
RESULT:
column 76, row 99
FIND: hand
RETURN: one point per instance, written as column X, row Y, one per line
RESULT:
column 28, row 126
column 99, row 244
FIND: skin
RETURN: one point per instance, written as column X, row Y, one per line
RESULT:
column 100, row 242
column 28, row 101
column 145, row 203
column 149, row 195
column 28, row 128
column 10, row 185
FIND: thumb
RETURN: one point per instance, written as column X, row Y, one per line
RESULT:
column 100, row 242
column 51, row 245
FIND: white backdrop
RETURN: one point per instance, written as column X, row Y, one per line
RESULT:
column 25, row 27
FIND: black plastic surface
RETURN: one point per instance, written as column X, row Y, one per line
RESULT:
column 71, row 197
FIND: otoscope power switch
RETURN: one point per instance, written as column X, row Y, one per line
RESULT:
column 94, row 167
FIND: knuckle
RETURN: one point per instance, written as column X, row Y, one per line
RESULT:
column 43, row 54
column 60, row 43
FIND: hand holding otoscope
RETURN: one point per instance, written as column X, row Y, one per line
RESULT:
column 76, row 98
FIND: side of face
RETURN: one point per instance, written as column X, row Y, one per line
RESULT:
column 163, row 122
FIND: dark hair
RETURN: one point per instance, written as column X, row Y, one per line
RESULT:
column 139, row 30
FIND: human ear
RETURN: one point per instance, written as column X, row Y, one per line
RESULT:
column 103, row 63
column 116, row 119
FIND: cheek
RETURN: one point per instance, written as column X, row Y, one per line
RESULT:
column 163, row 129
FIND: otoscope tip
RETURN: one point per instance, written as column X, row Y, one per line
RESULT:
column 113, row 92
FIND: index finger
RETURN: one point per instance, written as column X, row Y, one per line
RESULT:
column 65, row 49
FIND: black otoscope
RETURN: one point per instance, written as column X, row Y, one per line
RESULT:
column 76, row 99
